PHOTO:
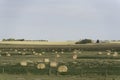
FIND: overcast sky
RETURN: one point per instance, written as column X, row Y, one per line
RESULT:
column 59, row 20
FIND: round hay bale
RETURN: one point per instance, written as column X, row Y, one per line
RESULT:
column 23, row 63
column 43, row 52
column 108, row 53
column 8, row 54
column 24, row 49
column 62, row 52
column 41, row 66
column 108, row 50
column 53, row 64
column 99, row 53
column 115, row 54
column 57, row 55
column 19, row 52
column 56, row 52
column 40, row 54
column 16, row 50
column 23, row 53
column 79, row 52
column 74, row 56
column 46, row 60
column 36, row 54
column 74, row 62
column 62, row 68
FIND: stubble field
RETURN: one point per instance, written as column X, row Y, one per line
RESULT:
column 83, row 62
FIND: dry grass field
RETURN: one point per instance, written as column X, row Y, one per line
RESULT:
column 37, row 42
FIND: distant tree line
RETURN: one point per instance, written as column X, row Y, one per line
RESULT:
column 12, row 39
column 85, row 41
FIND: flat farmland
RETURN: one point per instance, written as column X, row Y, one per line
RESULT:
column 79, row 62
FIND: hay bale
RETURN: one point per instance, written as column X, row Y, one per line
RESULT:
column 79, row 52
column 23, row 63
column 19, row 52
column 62, row 52
column 40, row 54
column 16, row 50
column 99, row 53
column 115, row 54
column 75, row 56
column 8, row 54
column 62, row 68
column 108, row 53
column 53, row 64
column 24, row 49
column 43, row 52
column 36, row 54
column 23, row 53
column 46, row 60
column 41, row 66
column 57, row 55
column 56, row 52
column 74, row 62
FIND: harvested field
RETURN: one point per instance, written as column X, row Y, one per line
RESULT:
column 91, row 63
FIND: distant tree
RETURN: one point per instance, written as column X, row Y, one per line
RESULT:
column 19, row 40
column 10, row 39
column 97, row 41
column 84, row 41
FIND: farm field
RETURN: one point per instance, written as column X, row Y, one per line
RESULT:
column 38, row 42
column 59, row 62
column 46, row 77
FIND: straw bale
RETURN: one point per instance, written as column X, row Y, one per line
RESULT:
column 115, row 54
column 57, row 55
column 62, row 68
column 74, row 56
column 46, row 60
column 23, row 63
column 53, row 64
column 41, row 66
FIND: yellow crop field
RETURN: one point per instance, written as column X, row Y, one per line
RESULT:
column 37, row 42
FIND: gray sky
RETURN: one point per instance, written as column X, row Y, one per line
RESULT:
column 58, row 20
